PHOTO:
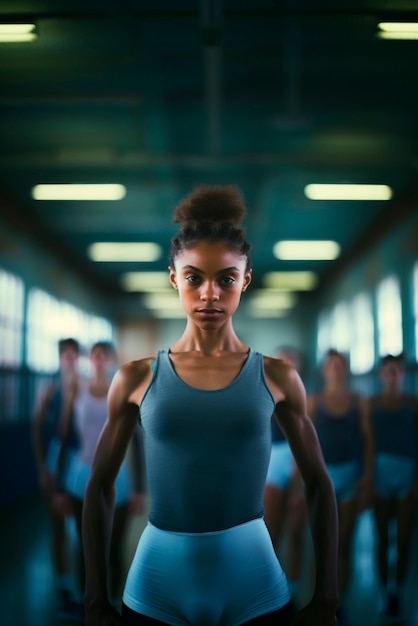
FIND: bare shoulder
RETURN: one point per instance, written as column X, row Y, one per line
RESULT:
column 132, row 379
column 282, row 378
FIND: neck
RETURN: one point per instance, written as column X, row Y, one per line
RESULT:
column 335, row 386
column 209, row 342
column 100, row 378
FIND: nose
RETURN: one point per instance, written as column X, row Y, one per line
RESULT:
column 209, row 292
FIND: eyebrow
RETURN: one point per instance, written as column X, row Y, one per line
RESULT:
column 222, row 271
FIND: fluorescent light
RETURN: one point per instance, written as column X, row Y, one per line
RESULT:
column 306, row 250
column 76, row 191
column 146, row 281
column 412, row 35
column 271, row 300
column 297, row 281
column 113, row 251
column 348, row 192
column 164, row 305
column 398, row 30
column 399, row 26
column 10, row 33
column 168, row 300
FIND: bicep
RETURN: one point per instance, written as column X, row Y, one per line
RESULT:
column 304, row 443
column 301, row 434
column 113, row 443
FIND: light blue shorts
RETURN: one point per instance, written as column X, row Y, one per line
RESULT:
column 78, row 475
column 281, row 465
column 393, row 476
column 222, row 578
column 344, row 477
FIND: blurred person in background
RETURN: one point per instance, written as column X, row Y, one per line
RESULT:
column 340, row 418
column 394, row 425
column 284, row 502
column 85, row 411
column 48, row 431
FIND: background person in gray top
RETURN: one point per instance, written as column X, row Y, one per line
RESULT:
column 218, row 568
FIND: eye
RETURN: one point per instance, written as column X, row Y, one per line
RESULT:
column 227, row 280
column 192, row 278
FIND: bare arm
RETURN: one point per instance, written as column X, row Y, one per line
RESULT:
column 98, row 505
column 291, row 412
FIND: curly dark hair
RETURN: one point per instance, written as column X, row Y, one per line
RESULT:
column 211, row 213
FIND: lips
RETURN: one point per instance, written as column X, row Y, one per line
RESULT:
column 209, row 312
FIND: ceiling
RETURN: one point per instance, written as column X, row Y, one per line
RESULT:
column 161, row 96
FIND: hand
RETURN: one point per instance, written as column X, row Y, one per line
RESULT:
column 105, row 615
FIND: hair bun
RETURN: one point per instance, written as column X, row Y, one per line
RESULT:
column 212, row 204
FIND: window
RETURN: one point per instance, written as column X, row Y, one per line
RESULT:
column 49, row 320
column 333, row 330
column 323, row 335
column 340, row 328
column 11, row 319
column 389, row 317
column 362, row 334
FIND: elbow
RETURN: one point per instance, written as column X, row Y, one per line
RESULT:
column 98, row 490
column 319, row 488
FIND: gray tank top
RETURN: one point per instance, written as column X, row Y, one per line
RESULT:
column 206, row 452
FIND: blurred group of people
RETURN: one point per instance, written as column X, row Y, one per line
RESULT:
column 370, row 447
column 69, row 416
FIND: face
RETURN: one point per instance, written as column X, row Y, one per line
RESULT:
column 391, row 375
column 210, row 278
column 335, row 368
column 100, row 359
column 68, row 360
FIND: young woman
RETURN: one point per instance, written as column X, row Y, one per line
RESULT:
column 205, row 404
column 85, row 411
column 340, row 418
column 394, row 422
column 47, row 437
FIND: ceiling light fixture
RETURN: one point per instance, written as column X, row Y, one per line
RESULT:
column 273, row 300
column 163, row 301
column 16, row 33
column 397, row 30
column 348, row 192
column 306, row 250
column 296, row 281
column 76, row 191
column 146, row 281
column 124, row 252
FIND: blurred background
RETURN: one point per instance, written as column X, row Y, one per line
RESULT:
column 112, row 111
